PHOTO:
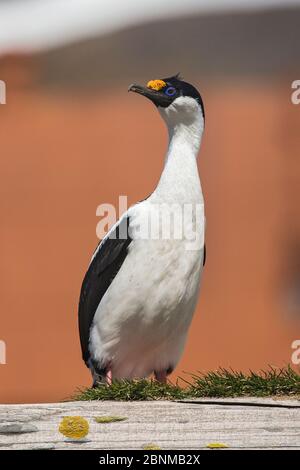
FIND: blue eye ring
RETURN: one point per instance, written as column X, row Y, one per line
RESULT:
column 170, row 91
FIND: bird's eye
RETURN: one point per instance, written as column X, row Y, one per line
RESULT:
column 170, row 91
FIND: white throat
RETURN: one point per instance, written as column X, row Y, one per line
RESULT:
column 180, row 179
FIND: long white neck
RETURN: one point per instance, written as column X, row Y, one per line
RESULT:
column 179, row 180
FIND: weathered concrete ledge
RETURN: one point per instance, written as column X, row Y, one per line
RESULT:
column 243, row 423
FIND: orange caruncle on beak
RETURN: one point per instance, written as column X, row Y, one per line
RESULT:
column 156, row 84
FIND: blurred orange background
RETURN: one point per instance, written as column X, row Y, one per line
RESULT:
column 69, row 146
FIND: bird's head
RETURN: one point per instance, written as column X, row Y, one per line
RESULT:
column 177, row 101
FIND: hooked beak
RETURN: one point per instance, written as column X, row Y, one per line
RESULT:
column 157, row 97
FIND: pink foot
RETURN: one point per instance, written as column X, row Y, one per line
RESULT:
column 109, row 377
column 161, row 376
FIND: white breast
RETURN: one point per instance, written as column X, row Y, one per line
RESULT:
column 142, row 320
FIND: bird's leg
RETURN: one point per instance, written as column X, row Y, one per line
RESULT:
column 108, row 377
column 161, row 376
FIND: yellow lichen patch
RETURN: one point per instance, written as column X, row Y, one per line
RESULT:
column 156, row 84
column 109, row 419
column 217, row 445
column 74, row 427
column 151, row 447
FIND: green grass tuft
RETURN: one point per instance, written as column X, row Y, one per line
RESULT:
column 127, row 390
column 222, row 383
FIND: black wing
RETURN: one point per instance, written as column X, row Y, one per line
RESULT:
column 102, row 271
column 204, row 255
